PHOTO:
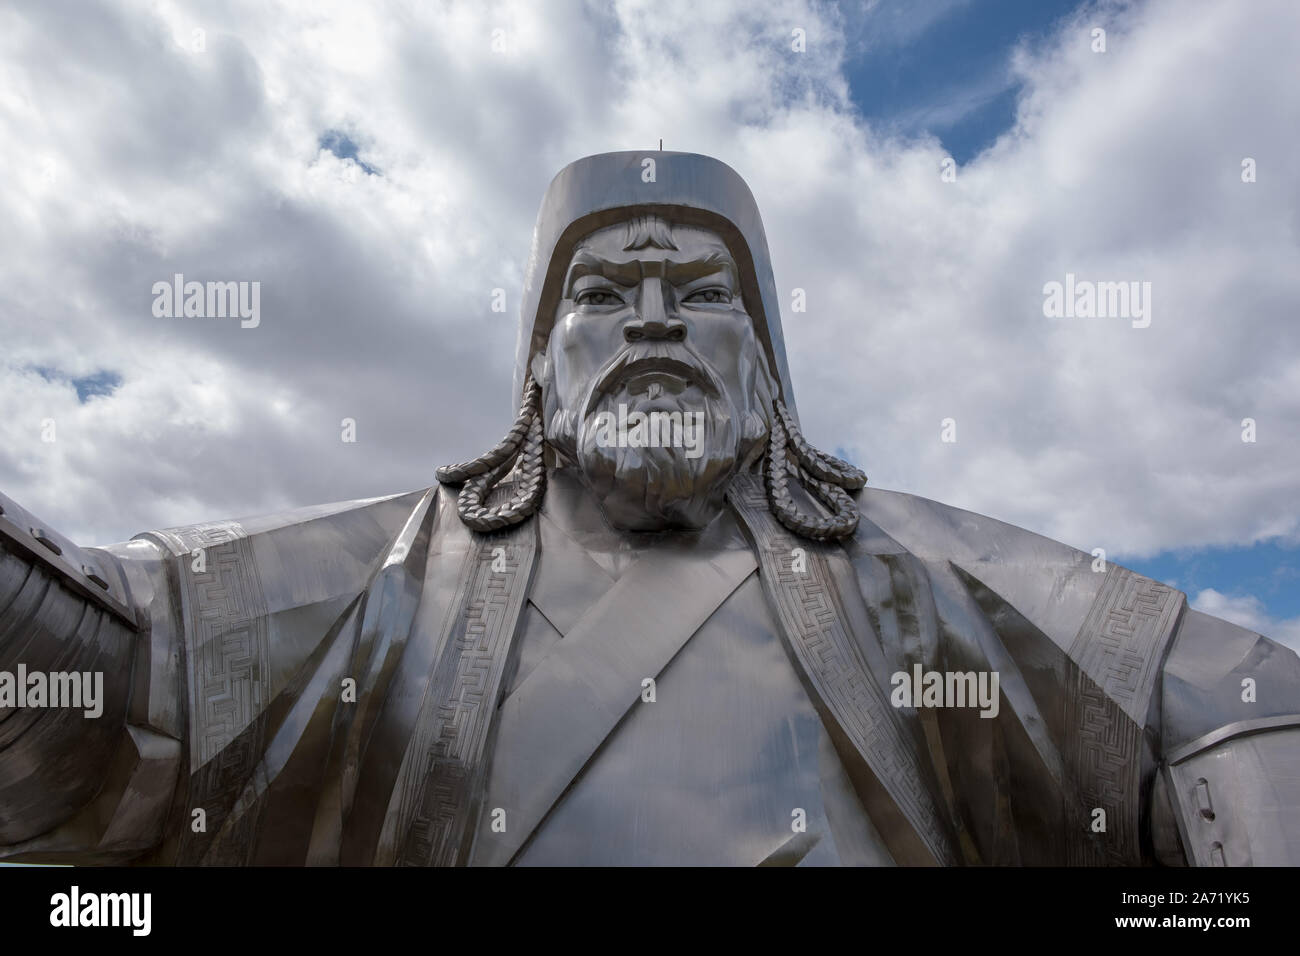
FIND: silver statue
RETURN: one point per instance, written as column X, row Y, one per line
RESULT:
column 654, row 625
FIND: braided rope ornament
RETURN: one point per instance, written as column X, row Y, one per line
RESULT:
column 519, row 452
column 824, row 476
column 506, row 449
column 827, row 478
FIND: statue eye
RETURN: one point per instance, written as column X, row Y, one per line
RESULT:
column 714, row 294
column 597, row 297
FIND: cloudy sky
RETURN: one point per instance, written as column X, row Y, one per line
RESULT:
column 377, row 170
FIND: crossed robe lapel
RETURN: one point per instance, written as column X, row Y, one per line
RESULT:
column 435, row 804
column 877, row 751
column 562, row 712
column 568, row 580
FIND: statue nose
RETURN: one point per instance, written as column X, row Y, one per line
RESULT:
column 656, row 318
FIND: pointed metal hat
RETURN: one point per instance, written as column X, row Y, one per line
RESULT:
column 686, row 188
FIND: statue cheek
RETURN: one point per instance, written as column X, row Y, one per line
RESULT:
column 745, row 374
column 572, row 368
column 733, row 351
column 579, row 361
column 584, row 338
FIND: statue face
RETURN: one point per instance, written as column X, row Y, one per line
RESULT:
column 654, row 382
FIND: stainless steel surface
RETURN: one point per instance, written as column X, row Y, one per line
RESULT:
column 1236, row 797
column 653, row 658
column 553, row 723
column 609, row 188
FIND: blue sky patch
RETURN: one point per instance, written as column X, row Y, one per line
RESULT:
column 342, row 146
column 102, row 382
column 1269, row 570
column 947, row 74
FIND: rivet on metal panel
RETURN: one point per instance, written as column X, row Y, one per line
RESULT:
column 1203, row 799
column 92, row 574
column 45, row 539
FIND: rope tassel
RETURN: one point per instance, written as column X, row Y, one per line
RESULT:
column 823, row 476
column 520, row 451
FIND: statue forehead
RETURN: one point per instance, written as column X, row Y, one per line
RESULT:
column 611, row 242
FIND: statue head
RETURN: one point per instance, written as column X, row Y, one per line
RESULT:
column 651, row 358
column 654, row 385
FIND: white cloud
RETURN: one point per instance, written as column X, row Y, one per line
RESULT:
column 1250, row 612
column 129, row 157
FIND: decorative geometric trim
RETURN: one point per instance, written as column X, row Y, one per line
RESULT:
column 460, row 705
column 812, row 620
column 228, row 658
column 1117, row 657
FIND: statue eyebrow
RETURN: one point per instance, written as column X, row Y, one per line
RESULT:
column 716, row 261
column 585, row 264
column 630, row 272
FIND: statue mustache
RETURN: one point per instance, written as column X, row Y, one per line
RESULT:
column 637, row 359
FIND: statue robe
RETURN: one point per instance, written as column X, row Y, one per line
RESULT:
column 373, row 683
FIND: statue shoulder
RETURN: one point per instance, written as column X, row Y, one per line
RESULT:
column 286, row 576
column 226, row 615
column 298, row 567
column 1051, row 584
column 363, row 520
column 934, row 530
column 266, row 590
column 1138, row 680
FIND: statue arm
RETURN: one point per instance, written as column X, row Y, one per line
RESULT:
column 198, row 630
column 1228, row 790
column 88, row 754
column 1199, row 756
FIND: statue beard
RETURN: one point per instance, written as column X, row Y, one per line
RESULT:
column 673, row 484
